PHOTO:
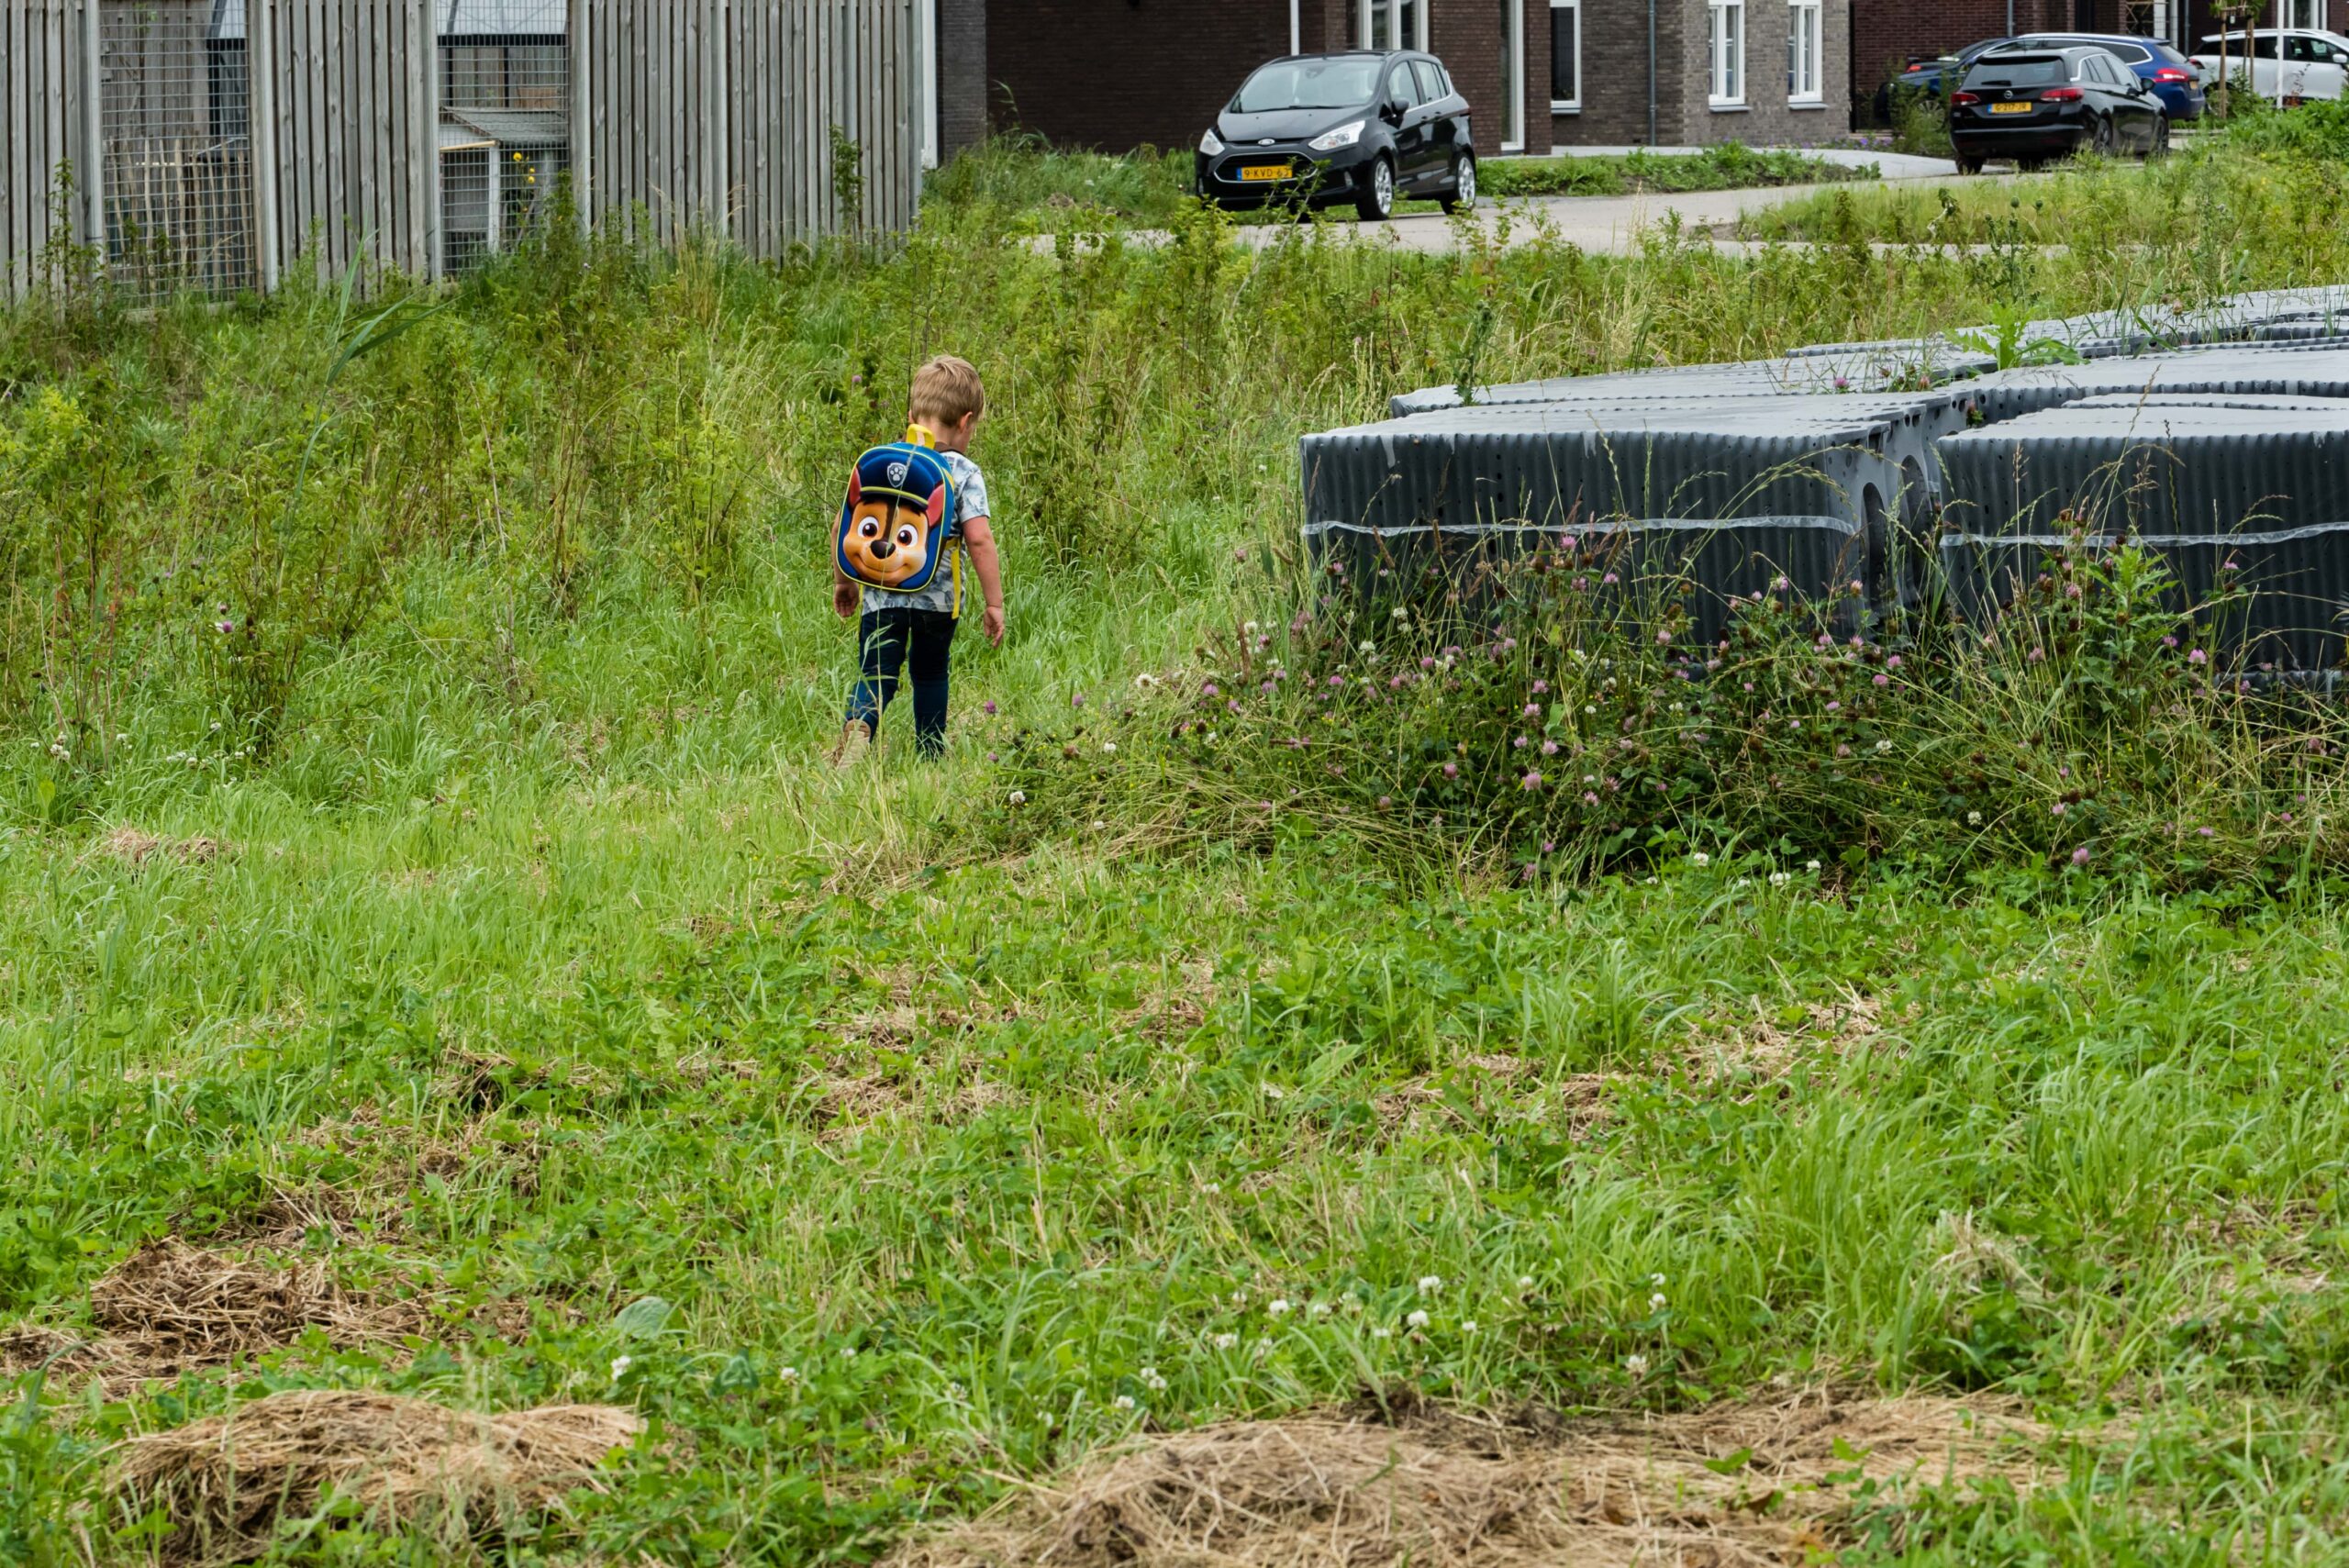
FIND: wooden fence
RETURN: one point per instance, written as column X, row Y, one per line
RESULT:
column 217, row 145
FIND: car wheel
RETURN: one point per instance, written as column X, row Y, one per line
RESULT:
column 2101, row 141
column 1376, row 202
column 1464, row 184
column 1970, row 165
column 2161, row 140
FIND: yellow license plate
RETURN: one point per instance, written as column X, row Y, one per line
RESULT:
column 1265, row 171
column 2012, row 109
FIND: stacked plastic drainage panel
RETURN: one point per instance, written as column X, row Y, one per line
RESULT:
column 2219, row 436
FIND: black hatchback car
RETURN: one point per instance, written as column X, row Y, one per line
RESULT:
column 1315, row 129
column 2036, row 105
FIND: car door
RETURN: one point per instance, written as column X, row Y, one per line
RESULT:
column 1444, row 123
column 1410, row 125
column 2311, row 69
column 2133, row 112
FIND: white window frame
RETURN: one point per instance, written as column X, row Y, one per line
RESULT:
column 1725, row 53
column 1513, row 90
column 1806, row 22
column 1567, row 14
column 1373, row 16
column 2306, row 14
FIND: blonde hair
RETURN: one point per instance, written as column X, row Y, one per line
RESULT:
column 945, row 390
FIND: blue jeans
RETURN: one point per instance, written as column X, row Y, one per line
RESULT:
column 889, row 641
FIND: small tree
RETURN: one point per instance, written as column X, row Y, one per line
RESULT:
column 2231, row 15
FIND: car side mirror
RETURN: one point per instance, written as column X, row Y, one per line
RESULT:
column 1391, row 111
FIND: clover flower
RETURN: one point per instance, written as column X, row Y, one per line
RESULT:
column 1637, row 1365
column 1277, row 1309
column 620, row 1365
column 1019, row 797
column 1152, row 1381
column 2080, row 856
column 1531, row 781
column 1657, row 1303
column 2197, row 657
column 1225, row 1341
column 1430, row 1285
column 1416, row 1320
column 1701, row 859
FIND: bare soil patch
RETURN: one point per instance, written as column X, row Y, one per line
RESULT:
column 1722, row 1487
column 224, row 1483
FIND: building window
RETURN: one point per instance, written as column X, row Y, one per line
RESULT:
column 1512, row 75
column 2304, row 14
column 1806, row 38
column 1725, row 45
column 1566, row 56
column 1393, row 24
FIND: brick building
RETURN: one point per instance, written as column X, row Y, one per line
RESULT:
column 1537, row 74
column 1888, row 34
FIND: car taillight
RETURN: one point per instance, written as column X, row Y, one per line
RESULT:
column 2060, row 95
column 2171, row 73
column 1965, row 97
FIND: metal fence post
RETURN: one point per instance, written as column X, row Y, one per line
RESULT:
column 261, row 65
column 94, row 131
column 582, row 138
column 427, row 55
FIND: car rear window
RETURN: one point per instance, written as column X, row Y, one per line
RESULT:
column 2018, row 71
column 1343, row 83
column 2169, row 54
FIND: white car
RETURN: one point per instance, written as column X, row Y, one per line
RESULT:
column 2315, row 63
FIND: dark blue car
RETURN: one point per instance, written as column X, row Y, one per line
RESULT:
column 2170, row 74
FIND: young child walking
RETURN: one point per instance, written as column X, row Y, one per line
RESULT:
column 897, row 630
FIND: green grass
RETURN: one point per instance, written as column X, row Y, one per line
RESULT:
column 541, row 933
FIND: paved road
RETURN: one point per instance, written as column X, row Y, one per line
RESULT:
column 1609, row 226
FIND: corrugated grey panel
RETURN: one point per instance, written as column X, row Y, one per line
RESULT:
column 2164, row 464
column 2297, row 578
column 1714, row 561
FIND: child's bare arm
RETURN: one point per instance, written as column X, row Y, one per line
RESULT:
column 979, row 538
column 847, row 597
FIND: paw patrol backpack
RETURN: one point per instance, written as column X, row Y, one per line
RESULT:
column 900, row 517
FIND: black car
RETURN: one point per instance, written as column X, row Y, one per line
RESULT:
column 2036, row 105
column 1314, row 130
column 1933, row 78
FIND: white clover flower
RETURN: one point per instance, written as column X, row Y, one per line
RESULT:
column 1019, row 797
column 1811, row 866
column 1100, row 826
column 1210, row 1189
column 955, row 1392
column 1382, row 1332
column 1123, row 1401
column 1431, row 1284
column 787, row 1374
column 1152, row 1381
column 1225, row 1341
column 1657, row 1303
column 1779, row 879
column 1277, row 1309
column 1740, row 884
column 1401, row 616
column 1250, row 628
column 1636, row 1365
column 847, row 1352
column 1883, row 747
column 1524, row 1282
column 1145, row 680
column 1319, row 1309
column 1365, row 646
column 1701, row 859
column 1109, row 747
column 1260, row 1349
column 620, row 1365
column 1973, row 819
column 1416, row 1320
column 1656, row 1280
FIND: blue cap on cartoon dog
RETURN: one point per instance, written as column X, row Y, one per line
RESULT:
column 895, row 472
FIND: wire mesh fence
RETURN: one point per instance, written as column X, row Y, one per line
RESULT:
column 505, row 121
column 212, row 145
column 175, row 113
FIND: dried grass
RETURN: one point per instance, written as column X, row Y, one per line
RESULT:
column 1731, row 1486
column 224, row 1483
column 170, row 1308
column 135, row 847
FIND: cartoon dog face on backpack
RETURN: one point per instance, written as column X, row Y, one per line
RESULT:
column 888, row 538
